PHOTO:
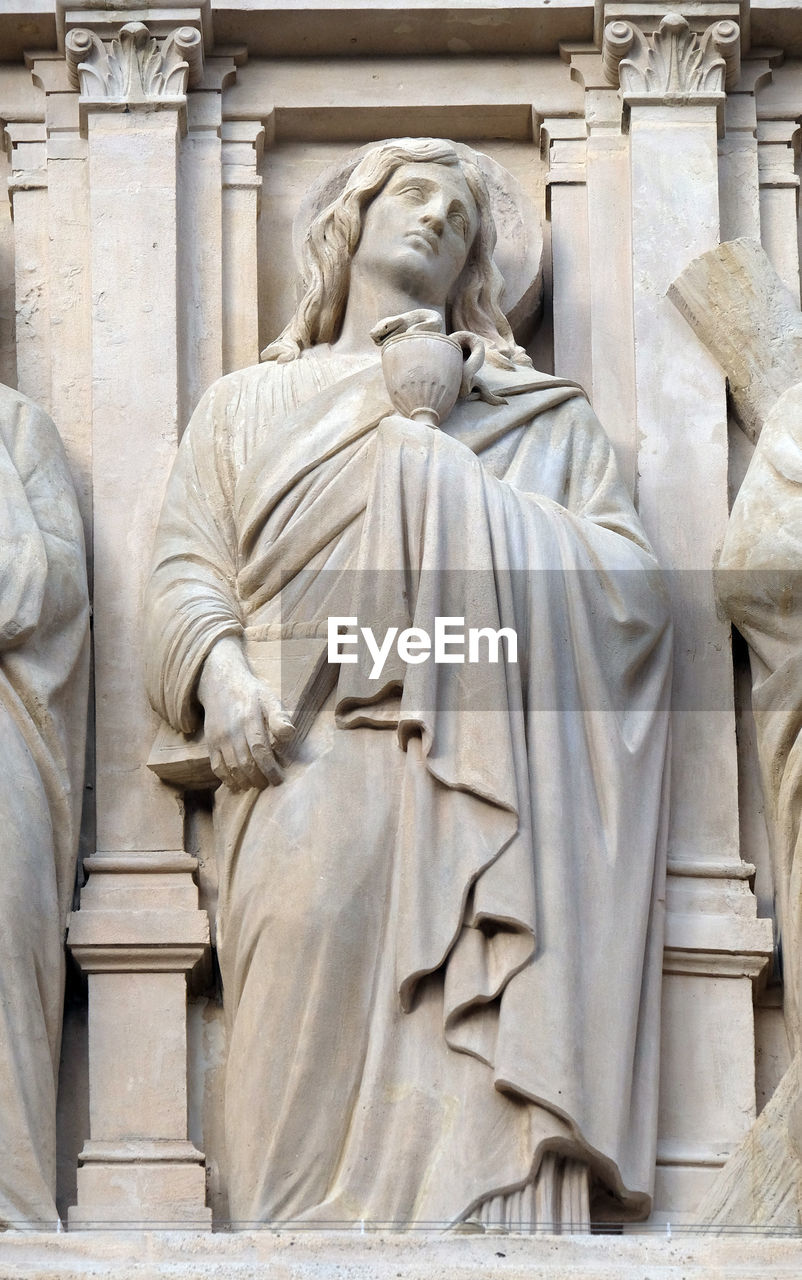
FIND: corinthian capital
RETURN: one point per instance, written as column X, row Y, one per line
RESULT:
column 674, row 62
column 133, row 66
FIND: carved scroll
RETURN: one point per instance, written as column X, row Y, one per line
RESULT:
column 134, row 66
column 674, row 62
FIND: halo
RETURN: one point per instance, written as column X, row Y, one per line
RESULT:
column 519, row 248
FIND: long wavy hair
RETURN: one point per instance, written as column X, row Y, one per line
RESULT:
column 333, row 237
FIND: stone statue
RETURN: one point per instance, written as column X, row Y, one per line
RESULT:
column 739, row 308
column 44, row 657
column 440, row 936
column 760, row 585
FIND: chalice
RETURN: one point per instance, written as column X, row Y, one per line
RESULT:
column 427, row 372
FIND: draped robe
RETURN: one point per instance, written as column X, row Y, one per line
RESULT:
column 44, row 630
column 440, row 938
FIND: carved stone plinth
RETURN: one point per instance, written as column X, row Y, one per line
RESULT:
column 137, row 935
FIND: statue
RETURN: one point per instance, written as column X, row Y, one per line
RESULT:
column 44, row 663
column 751, row 324
column 435, row 1014
column 759, row 584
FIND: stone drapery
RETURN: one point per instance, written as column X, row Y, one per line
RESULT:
column 426, row 979
column 44, row 655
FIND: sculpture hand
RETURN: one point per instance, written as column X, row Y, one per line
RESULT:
column 243, row 722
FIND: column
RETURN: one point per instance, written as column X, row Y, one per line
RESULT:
column 609, row 259
column 738, row 154
column 67, row 225
column 200, row 248
column 138, row 931
column 778, row 148
column 243, row 144
column 564, row 142
column 27, row 142
column 672, row 79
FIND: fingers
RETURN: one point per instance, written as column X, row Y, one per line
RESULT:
column 218, row 766
column 237, row 771
column 280, row 727
column 266, row 763
column 245, row 760
column 241, row 749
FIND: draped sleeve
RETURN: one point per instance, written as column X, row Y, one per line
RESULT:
column 191, row 598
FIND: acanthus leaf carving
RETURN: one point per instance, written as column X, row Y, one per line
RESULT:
column 674, row 62
column 90, row 67
column 134, row 66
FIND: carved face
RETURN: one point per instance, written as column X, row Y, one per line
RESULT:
column 417, row 231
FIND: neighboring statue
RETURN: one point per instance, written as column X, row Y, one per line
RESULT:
column 441, row 937
column 737, row 305
column 760, row 585
column 44, row 662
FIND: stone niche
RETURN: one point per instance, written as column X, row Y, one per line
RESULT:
column 162, row 164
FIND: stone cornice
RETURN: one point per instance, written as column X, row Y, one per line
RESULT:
column 107, row 20
column 648, row 15
column 316, row 28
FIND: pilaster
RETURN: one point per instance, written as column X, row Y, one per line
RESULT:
column 673, row 69
column 65, row 349
column 26, row 142
column 564, row 142
column 738, row 151
column 201, row 338
column 243, row 145
column 609, row 258
column 778, row 141
column 132, row 166
column 150, row 178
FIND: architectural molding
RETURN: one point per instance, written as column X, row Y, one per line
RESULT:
column 162, row 860
column 373, row 1253
column 698, row 1155
column 243, row 144
column 141, row 1151
column 25, row 143
column 105, row 19
column 717, row 945
column 563, row 142
column 708, row 869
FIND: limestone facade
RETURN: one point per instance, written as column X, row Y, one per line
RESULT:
column 156, row 157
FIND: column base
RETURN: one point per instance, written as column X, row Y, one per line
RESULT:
column 147, row 1184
